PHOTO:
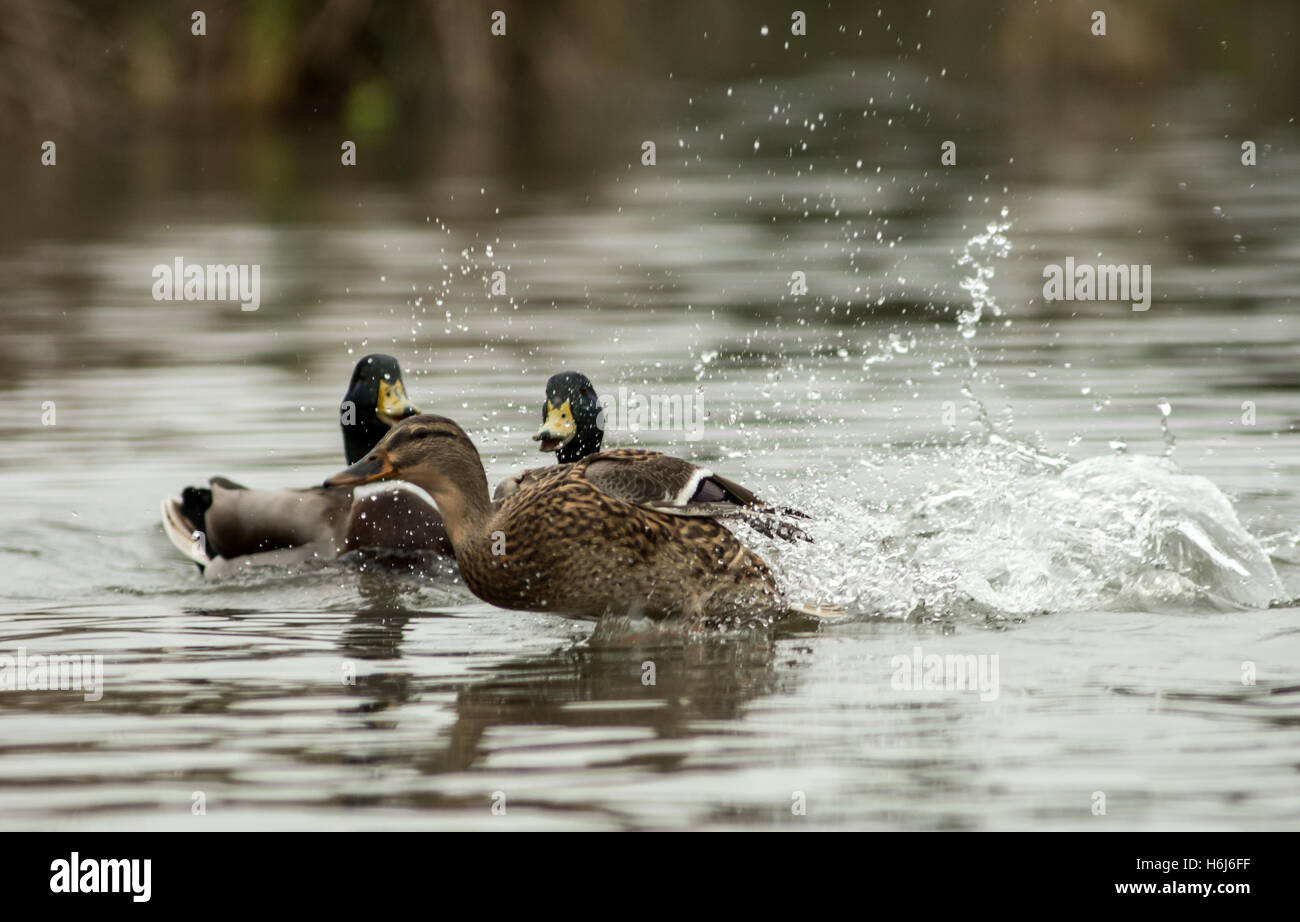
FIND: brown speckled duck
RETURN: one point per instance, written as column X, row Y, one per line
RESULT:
column 573, row 428
column 225, row 525
column 594, row 537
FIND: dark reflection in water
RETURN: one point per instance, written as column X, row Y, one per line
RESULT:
column 700, row 681
column 665, row 686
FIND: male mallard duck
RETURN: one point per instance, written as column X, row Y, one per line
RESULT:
column 226, row 523
column 573, row 427
column 572, row 422
column 569, row 538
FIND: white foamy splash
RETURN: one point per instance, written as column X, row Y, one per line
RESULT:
column 1012, row 531
column 1011, row 537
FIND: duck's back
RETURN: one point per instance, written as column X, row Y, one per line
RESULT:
column 561, row 543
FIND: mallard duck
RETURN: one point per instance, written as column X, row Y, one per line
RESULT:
column 573, row 427
column 570, row 539
column 226, row 524
column 573, row 424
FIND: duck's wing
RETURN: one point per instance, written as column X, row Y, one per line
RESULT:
column 226, row 520
column 677, row 487
column 531, row 478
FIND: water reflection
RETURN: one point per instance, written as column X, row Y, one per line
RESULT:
column 667, row 686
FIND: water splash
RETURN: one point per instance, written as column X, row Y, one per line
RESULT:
column 1166, row 408
column 1015, row 448
column 1010, row 534
column 978, row 254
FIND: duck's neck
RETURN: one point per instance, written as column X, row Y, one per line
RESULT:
column 464, row 503
column 360, row 436
column 586, row 442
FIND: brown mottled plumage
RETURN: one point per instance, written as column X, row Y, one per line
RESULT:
column 561, row 541
column 573, row 428
column 673, row 486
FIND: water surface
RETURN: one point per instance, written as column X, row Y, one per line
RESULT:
column 1011, row 493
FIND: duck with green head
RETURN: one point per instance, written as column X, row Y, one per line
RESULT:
column 573, row 422
column 375, row 402
column 226, row 525
column 573, row 426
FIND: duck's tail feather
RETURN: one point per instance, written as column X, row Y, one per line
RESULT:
column 733, row 492
column 766, row 520
column 729, row 498
column 182, row 521
column 774, row 524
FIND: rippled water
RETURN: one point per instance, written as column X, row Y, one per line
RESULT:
column 1005, row 494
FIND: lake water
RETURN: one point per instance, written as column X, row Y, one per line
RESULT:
column 1004, row 494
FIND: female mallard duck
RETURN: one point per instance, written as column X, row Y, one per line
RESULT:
column 225, row 524
column 584, row 539
column 573, row 427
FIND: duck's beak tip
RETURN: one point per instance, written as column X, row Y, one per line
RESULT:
column 367, row 470
column 549, row 441
column 393, row 407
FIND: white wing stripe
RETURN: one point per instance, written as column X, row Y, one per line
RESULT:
column 684, row 495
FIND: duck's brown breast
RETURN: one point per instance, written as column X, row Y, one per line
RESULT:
column 396, row 518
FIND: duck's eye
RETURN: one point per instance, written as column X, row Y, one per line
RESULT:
column 420, row 434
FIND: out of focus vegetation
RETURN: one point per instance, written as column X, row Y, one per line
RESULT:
column 138, row 104
column 379, row 67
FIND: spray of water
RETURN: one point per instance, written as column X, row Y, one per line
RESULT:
column 1010, row 533
column 978, row 258
column 996, row 528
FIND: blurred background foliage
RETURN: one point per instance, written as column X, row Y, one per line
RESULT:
column 423, row 86
column 379, row 68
